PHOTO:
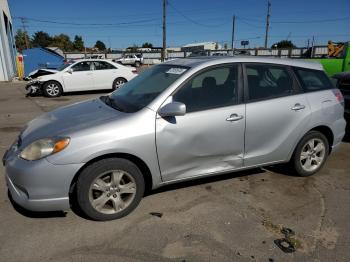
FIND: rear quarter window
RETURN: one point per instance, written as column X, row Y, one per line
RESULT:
column 313, row 80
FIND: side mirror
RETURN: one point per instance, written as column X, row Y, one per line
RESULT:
column 172, row 109
column 70, row 70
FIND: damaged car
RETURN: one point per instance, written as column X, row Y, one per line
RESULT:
column 39, row 72
column 179, row 120
column 82, row 75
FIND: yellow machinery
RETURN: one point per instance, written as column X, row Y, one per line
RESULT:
column 20, row 66
column 335, row 49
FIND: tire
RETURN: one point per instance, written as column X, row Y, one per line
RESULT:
column 52, row 89
column 137, row 64
column 118, row 82
column 100, row 187
column 310, row 154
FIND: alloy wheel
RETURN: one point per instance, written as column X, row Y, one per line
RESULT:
column 118, row 83
column 52, row 89
column 313, row 154
column 112, row 191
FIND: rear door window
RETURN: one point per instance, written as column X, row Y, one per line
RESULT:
column 268, row 81
column 82, row 66
column 313, row 80
column 101, row 65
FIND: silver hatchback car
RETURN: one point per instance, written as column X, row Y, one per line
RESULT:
column 179, row 120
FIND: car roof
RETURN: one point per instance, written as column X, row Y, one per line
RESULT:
column 213, row 60
column 91, row 59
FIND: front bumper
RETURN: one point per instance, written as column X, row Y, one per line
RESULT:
column 39, row 185
column 34, row 87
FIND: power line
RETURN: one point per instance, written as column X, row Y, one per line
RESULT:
column 249, row 24
column 93, row 24
column 312, row 21
column 190, row 19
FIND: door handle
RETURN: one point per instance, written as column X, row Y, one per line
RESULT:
column 89, row 74
column 298, row 107
column 234, row 117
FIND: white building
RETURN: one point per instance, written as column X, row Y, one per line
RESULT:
column 201, row 46
column 7, row 44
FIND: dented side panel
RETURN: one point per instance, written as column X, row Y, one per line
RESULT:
column 200, row 143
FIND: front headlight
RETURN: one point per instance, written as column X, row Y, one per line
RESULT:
column 44, row 147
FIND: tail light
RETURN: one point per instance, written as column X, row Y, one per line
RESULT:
column 339, row 96
column 134, row 71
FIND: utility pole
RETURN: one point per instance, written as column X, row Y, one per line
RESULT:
column 23, row 20
column 164, row 31
column 233, row 31
column 312, row 46
column 267, row 22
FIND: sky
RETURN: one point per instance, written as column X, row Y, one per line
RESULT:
column 120, row 23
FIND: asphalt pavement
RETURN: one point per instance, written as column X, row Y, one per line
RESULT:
column 232, row 217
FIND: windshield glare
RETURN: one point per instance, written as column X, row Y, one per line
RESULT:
column 144, row 88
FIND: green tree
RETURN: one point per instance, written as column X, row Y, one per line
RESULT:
column 63, row 42
column 147, row 45
column 78, row 43
column 283, row 44
column 41, row 39
column 20, row 39
column 100, row 45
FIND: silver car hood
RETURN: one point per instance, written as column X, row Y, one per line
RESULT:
column 69, row 119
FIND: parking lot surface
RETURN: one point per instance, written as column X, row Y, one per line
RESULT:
column 232, row 217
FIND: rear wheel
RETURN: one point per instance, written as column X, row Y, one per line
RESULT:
column 310, row 154
column 137, row 64
column 110, row 189
column 52, row 89
column 117, row 83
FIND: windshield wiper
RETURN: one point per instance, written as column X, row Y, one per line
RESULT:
column 110, row 102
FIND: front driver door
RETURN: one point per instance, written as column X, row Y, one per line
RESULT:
column 209, row 138
column 80, row 79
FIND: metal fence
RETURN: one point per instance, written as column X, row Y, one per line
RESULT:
column 155, row 57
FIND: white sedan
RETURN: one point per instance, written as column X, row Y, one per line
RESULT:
column 83, row 75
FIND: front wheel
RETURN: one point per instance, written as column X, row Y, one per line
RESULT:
column 117, row 83
column 110, row 189
column 311, row 154
column 52, row 89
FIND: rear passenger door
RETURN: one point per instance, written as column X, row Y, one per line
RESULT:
column 104, row 74
column 277, row 113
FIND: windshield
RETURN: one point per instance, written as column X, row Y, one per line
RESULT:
column 63, row 67
column 144, row 88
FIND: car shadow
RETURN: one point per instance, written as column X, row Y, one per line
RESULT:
column 280, row 169
column 206, row 180
column 78, row 93
column 346, row 138
column 91, row 92
column 35, row 214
